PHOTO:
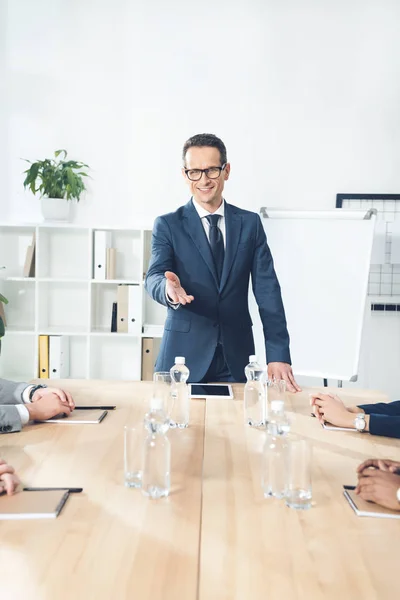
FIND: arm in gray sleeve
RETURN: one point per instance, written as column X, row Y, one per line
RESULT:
column 11, row 392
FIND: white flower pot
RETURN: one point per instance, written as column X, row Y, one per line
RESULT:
column 56, row 209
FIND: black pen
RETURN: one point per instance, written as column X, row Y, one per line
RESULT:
column 53, row 489
column 94, row 407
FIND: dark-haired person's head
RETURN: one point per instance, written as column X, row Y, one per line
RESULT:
column 205, row 168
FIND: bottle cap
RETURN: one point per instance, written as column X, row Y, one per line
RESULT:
column 253, row 358
column 179, row 360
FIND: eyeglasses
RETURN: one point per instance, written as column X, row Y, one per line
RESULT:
column 211, row 173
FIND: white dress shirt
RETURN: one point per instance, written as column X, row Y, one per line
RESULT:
column 23, row 411
column 203, row 213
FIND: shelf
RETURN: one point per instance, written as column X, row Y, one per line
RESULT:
column 30, row 279
column 62, row 331
column 154, row 331
column 16, row 331
column 60, row 280
column 106, row 332
column 64, row 299
column 116, row 281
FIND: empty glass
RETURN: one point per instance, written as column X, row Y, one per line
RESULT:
column 134, row 437
column 161, row 397
column 298, row 482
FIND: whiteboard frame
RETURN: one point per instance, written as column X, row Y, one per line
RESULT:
column 369, row 214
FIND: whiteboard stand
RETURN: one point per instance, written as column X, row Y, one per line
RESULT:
column 322, row 260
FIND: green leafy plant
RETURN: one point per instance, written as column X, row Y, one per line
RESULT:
column 56, row 178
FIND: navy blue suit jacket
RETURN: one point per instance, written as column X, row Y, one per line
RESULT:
column 219, row 311
column 384, row 418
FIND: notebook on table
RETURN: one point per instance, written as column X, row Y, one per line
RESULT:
column 335, row 428
column 79, row 417
column 33, row 505
column 364, row 508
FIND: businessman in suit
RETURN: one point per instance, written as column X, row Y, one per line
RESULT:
column 21, row 402
column 202, row 258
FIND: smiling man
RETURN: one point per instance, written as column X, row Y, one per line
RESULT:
column 202, row 258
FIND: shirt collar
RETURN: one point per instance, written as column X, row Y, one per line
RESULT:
column 202, row 212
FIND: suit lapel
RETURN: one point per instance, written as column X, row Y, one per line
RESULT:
column 194, row 228
column 233, row 226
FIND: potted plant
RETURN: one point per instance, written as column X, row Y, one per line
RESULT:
column 57, row 181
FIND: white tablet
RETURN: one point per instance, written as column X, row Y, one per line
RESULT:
column 211, row 390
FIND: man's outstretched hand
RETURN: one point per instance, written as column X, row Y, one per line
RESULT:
column 175, row 291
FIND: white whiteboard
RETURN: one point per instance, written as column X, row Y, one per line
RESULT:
column 322, row 261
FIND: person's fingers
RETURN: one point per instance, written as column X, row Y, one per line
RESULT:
column 66, row 410
column 318, row 412
column 70, row 400
column 289, row 385
column 319, row 402
column 61, row 395
column 184, row 298
column 370, row 462
column 4, row 468
column 8, row 482
column 294, row 382
column 367, row 494
column 383, row 465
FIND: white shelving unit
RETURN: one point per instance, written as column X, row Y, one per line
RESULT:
column 64, row 299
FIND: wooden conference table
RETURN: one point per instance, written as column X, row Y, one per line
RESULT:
column 215, row 537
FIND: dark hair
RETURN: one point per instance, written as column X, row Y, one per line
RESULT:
column 205, row 139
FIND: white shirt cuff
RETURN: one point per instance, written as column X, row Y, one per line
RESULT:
column 25, row 394
column 23, row 413
column 174, row 305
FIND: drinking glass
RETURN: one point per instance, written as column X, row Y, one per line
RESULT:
column 298, row 481
column 134, row 436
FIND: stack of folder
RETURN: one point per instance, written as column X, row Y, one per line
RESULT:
column 54, row 357
column 104, row 256
column 129, row 309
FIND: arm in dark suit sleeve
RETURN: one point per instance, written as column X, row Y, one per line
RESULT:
column 384, row 418
column 267, row 292
column 382, row 408
column 162, row 259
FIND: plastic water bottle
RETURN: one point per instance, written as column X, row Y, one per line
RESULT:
column 156, row 480
column 254, row 394
column 274, row 469
column 276, row 394
column 180, row 392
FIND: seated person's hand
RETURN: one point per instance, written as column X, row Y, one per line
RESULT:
column 392, row 466
column 8, row 479
column 379, row 487
column 48, row 406
column 330, row 409
column 65, row 397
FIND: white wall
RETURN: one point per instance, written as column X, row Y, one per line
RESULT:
column 305, row 94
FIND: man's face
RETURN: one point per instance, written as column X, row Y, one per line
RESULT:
column 207, row 192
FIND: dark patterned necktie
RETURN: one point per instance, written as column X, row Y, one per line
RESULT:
column 216, row 243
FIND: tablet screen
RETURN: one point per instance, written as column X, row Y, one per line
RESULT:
column 201, row 390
